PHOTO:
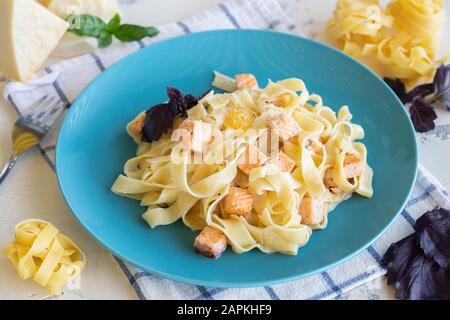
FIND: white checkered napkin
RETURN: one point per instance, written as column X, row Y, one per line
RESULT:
column 364, row 267
column 68, row 78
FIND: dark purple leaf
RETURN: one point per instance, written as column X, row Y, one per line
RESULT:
column 425, row 280
column 424, row 97
column 174, row 94
column 159, row 119
column 433, row 229
column 422, row 116
column 399, row 88
column 396, row 258
column 441, row 80
column 415, row 276
column 420, row 92
column 183, row 103
column 190, row 101
column 441, row 86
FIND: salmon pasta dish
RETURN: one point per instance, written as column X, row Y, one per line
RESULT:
column 248, row 167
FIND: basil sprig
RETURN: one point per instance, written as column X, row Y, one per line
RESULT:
column 92, row 26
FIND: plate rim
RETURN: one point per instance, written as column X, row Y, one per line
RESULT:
column 217, row 283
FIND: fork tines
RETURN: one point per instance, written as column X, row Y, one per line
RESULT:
column 40, row 116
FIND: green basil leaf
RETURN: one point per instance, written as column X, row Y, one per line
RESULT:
column 113, row 24
column 104, row 40
column 152, row 31
column 130, row 32
column 91, row 26
column 87, row 25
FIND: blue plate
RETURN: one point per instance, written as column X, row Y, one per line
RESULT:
column 93, row 147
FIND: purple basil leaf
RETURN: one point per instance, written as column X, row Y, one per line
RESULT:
column 433, row 229
column 175, row 105
column 174, row 94
column 420, row 91
column 183, row 103
column 422, row 116
column 445, row 100
column 190, row 101
column 425, row 280
column 441, row 86
column 159, row 119
column 398, row 256
column 415, row 276
column 399, row 88
column 441, row 80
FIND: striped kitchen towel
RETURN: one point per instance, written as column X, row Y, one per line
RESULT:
column 66, row 80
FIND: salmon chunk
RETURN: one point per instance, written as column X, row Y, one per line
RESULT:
column 311, row 210
column 137, row 125
column 199, row 135
column 284, row 126
column 283, row 100
column 268, row 143
column 282, row 161
column 246, row 81
column 210, row 243
column 353, row 167
column 238, row 201
column 251, row 158
column 314, row 146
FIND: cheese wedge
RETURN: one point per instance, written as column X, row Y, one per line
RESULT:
column 104, row 9
column 28, row 34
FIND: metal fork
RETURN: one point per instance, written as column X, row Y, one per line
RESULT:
column 31, row 127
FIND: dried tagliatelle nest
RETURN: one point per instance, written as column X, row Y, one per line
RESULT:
column 40, row 252
column 399, row 41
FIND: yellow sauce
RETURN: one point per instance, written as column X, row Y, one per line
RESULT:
column 238, row 118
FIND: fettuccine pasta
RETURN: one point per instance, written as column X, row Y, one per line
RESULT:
column 314, row 162
column 40, row 252
column 400, row 41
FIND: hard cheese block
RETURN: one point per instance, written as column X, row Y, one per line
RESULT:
column 28, row 34
column 104, row 9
